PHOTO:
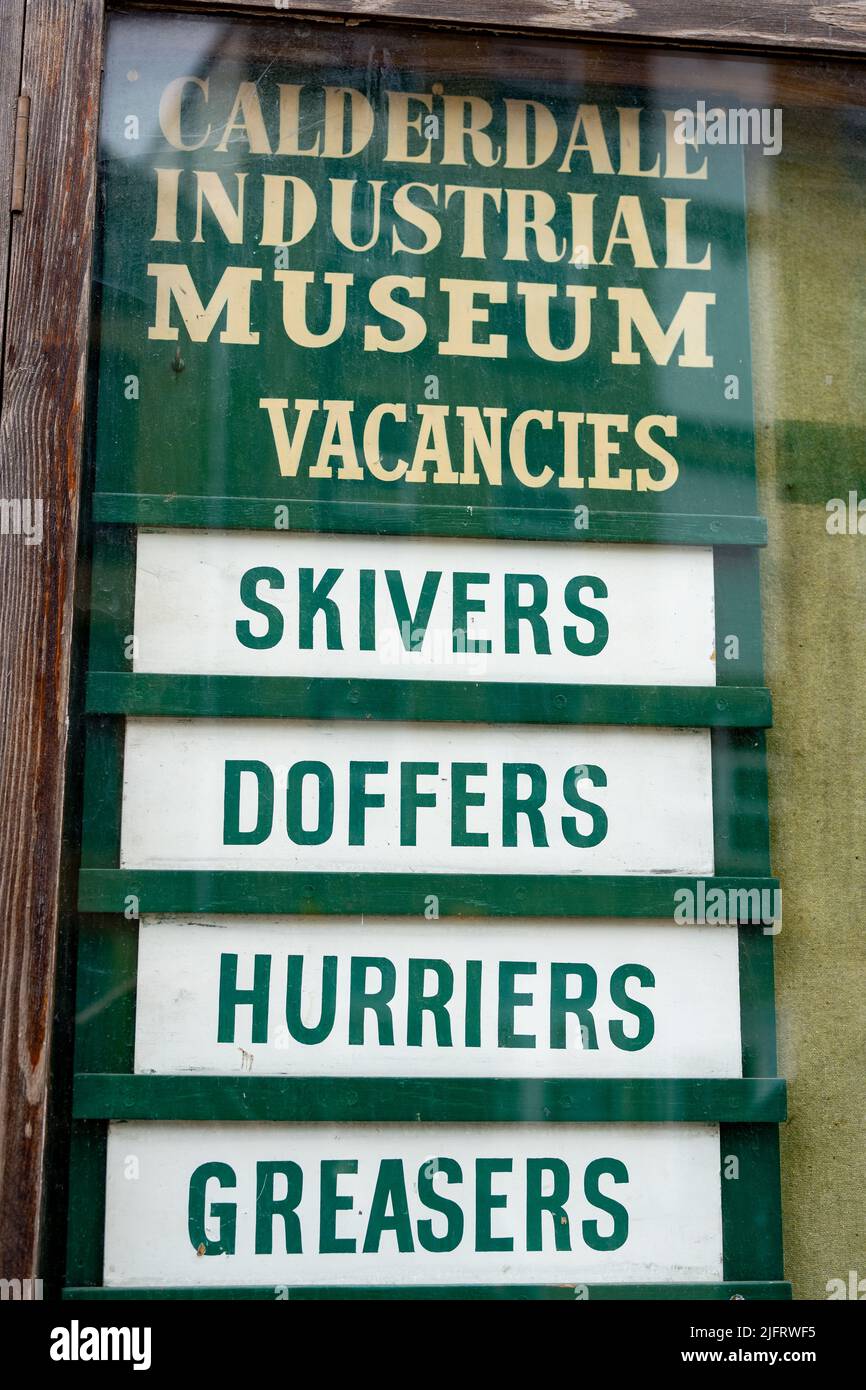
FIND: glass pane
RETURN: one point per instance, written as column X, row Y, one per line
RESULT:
column 475, row 625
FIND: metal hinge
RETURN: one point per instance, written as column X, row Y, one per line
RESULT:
column 19, row 159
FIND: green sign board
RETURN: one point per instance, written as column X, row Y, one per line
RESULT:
column 338, row 299
column 426, row 916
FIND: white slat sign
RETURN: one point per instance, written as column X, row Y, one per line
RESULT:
column 275, row 604
column 366, row 1204
column 395, row 997
column 359, row 796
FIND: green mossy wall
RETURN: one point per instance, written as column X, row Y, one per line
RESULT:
column 807, row 239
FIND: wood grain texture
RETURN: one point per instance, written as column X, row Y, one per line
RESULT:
column 40, row 451
column 836, row 27
column 11, row 33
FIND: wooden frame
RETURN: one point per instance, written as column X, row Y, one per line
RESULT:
column 44, row 361
column 791, row 24
column 53, row 48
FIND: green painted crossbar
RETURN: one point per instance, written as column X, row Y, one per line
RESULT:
column 101, row 1096
column 459, row 895
column 431, row 519
column 471, row 1293
column 278, row 697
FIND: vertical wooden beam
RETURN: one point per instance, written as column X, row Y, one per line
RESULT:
column 40, row 461
column 11, row 35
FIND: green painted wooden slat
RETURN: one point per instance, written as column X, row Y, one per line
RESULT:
column 757, row 1015
column 552, row 524
column 119, row 1096
column 751, row 1201
column 739, row 633
column 87, row 1161
column 470, row 1293
column 339, row 894
column 106, row 993
column 112, row 598
column 270, row 697
column 741, row 840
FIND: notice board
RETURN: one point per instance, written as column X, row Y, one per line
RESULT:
column 426, row 915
